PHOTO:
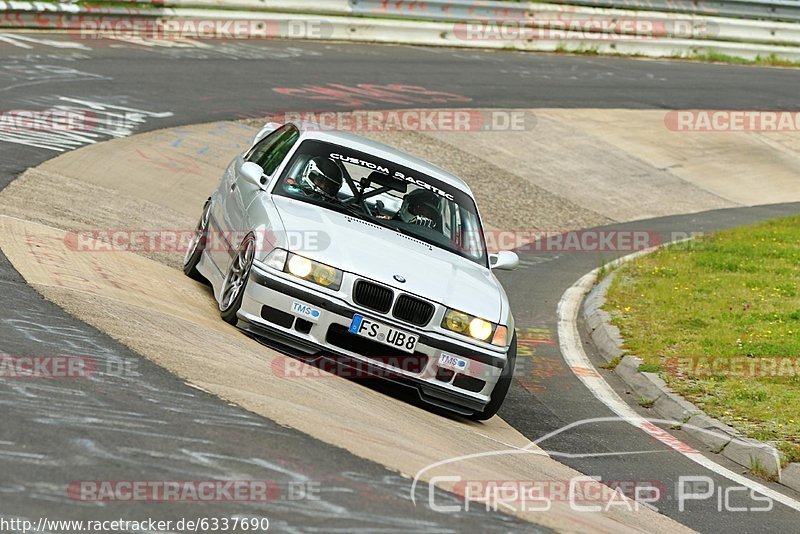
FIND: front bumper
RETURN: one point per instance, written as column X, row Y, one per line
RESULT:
column 267, row 311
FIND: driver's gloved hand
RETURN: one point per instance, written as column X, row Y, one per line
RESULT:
column 422, row 221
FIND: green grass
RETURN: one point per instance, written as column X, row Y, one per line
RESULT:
column 709, row 57
column 602, row 271
column 732, row 297
column 612, row 364
column 646, row 403
column 715, row 57
column 580, row 50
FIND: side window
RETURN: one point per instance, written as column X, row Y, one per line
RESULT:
column 258, row 152
column 270, row 151
column 279, row 150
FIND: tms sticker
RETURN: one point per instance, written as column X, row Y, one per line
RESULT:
column 305, row 311
column 452, row 362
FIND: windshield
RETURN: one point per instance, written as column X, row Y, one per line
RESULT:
column 407, row 201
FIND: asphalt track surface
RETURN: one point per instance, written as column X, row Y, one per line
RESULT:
column 155, row 427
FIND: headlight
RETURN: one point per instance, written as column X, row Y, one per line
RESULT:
column 480, row 329
column 456, row 321
column 474, row 327
column 313, row 271
column 299, row 266
column 324, row 275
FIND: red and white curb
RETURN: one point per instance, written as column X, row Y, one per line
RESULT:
column 577, row 360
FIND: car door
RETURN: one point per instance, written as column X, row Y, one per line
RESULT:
column 267, row 153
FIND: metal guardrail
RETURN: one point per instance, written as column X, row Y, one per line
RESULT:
column 447, row 23
column 781, row 10
column 449, row 10
column 462, row 10
column 677, row 23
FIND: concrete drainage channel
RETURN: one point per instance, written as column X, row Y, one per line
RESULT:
column 651, row 388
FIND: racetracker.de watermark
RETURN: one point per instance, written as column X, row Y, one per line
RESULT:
column 47, row 367
column 174, row 490
column 379, row 366
column 534, row 241
column 732, row 121
column 735, row 366
column 606, row 240
column 582, row 29
column 61, row 366
column 164, row 29
column 180, row 241
column 47, row 120
column 413, row 120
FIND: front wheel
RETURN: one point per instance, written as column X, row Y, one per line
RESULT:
column 501, row 388
column 194, row 252
column 235, row 282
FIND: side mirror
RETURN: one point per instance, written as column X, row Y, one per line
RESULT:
column 252, row 172
column 504, row 260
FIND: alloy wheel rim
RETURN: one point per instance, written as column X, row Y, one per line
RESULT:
column 197, row 237
column 237, row 275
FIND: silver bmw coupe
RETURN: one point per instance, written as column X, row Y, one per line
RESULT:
column 337, row 247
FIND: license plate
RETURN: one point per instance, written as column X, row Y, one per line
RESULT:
column 383, row 334
column 453, row 362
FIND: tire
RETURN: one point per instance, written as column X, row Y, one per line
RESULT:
column 235, row 282
column 501, row 388
column 194, row 252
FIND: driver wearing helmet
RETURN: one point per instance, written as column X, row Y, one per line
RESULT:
column 420, row 207
column 321, row 177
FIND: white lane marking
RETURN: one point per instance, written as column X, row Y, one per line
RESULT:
column 94, row 122
column 34, row 72
column 22, row 40
column 167, row 43
column 10, row 40
column 574, row 355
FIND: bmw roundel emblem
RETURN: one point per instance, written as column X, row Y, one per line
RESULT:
column 400, row 279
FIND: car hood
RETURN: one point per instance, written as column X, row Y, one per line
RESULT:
column 379, row 253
